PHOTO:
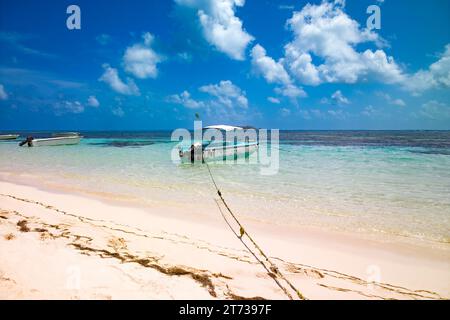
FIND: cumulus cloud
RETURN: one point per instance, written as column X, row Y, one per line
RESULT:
column 111, row 77
column 271, row 70
column 118, row 112
column 224, row 95
column 326, row 33
column 93, row 102
column 336, row 98
column 227, row 94
column 274, row 100
column 339, row 98
column 141, row 60
column 62, row 107
column 221, row 27
column 185, row 100
column 274, row 72
column 436, row 76
column 291, row 91
column 3, row 94
column 301, row 66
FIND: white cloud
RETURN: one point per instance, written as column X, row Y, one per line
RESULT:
column 437, row 75
column 392, row 101
column 301, row 66
column 336, row 98
column 435, row 110
column 398, row 102
column 272, row 71
column 227, row 94
column 118, row 112
column 273, row 100
column 327, row 33
column 291, row 91
column 141, row 60
column 339, row 98
column 111, row 77
column 368, row 111
column 185, row 100
column 224, row 96
column 221, row 27
column 93, row 102
column 3, row 94
column 184, row 56
column 62, row 107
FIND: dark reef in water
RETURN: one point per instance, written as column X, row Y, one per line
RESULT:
column 432, row 142
column 123, row 144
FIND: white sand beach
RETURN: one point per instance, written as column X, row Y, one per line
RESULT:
column 225, row 150
column 62, row 245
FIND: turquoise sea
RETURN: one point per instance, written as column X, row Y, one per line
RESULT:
column 374, row 182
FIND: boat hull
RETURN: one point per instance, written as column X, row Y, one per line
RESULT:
column 220, row 153
column 9, row 136
column 59, row 141
column 65, row 134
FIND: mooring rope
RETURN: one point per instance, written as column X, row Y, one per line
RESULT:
column 273, row 270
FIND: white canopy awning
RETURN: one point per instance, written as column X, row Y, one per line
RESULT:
column 223, row 127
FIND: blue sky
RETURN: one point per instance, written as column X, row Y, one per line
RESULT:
column 147, row 65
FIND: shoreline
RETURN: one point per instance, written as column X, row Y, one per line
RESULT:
column 200, row 258
column 174, row 211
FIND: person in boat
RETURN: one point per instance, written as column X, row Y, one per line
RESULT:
column 193, row 151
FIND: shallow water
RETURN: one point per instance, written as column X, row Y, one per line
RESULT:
column 373, row 182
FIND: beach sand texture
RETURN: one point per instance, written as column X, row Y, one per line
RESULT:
column 61, row 246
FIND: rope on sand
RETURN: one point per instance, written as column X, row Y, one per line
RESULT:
column 272, row 269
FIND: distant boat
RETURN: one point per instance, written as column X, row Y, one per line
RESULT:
column 55, row 141
column 218, row 150
column 9, row 136
column 65, row 134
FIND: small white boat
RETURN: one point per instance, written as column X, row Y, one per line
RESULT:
column 218, row 150
column 8, row 136
column 56, row 141
column 65, row 134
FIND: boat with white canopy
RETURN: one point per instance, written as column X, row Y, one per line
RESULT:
column 220, row 147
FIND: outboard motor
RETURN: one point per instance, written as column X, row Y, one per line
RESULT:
column 28, row 140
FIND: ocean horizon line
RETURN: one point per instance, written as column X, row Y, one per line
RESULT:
column 190, row 129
